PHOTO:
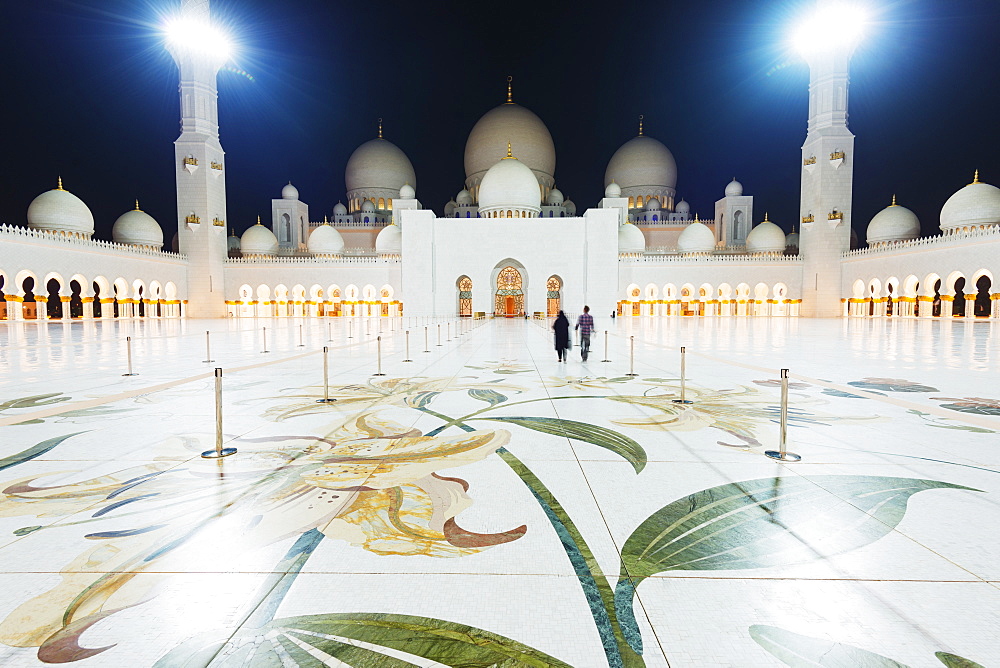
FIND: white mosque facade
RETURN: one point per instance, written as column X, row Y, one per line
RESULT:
column 509, row 244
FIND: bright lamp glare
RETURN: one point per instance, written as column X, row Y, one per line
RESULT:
column 188, row 34
column 832, row 27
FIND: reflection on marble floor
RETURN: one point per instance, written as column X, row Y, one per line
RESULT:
column 486, row 505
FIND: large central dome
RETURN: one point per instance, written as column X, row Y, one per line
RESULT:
column 525, row 131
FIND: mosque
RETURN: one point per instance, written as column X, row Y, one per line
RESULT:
column 489, row 251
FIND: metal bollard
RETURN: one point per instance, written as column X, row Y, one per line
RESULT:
column 781, row 453
column 378, row 353
column 265, row 342
column 427, row 347
column 407, row 346
column 128, row 352
column 449, row 331
column 331, row 332
column 683, row 399
column 208, row 349
column 439, row 334
column 326, row 378
column 219, row 452
column 350, row 328
column 631, row 357
column 605, row 347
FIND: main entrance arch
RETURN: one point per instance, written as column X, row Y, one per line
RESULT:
column 509, row 295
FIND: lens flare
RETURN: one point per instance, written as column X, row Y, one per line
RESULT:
column 189, row 34
column 837, row 26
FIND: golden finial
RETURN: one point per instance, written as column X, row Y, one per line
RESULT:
column 765, row 218
column 696, row 218
column 380, row 128
column 258, row 220
column 793, row 228
column 640, row 125
column 510, row 156
column 510, row 94
column 975, row 179
column 894, row 200
column 137, row 206
column 325, row 220
column 59, row 183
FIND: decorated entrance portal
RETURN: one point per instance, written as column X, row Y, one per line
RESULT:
column 509, row 297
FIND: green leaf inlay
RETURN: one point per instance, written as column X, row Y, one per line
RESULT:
column 602, row 437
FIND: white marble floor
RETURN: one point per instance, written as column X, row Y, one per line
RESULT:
column 486, row 505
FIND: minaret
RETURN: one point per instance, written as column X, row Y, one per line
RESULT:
column 827, row 163
column 199, row 52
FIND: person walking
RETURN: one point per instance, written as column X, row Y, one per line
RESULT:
column 585, row 325
column 561, row 328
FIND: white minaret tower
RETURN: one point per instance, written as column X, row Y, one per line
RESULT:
column 827, row 41
column 200, row 51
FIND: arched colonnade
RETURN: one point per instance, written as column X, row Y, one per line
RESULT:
column 708, row 300
column 945, row 295
column 267, row 301
column 27, row 295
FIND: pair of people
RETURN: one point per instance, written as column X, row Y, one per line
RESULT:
column 584, row 324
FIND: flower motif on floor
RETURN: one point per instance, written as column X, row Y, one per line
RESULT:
column 370, row 482
column 975, row 405
column 584, row 383
column 741, row 411
column 891, row 385
column 381, row 392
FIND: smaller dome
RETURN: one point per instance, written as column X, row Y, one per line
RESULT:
column 59, row 210
column 696, row 238
column 509, row 185
column 449, row 208
column 893, row 223
column 407, row 192
column 464, row 197
column 975, row 204
column 630, row 239
column 682, row 207
column 652, row 204
column 325, row 240
column 766, row 238
column 137, row 228
column 339, row 209
column 555, row 197
column 233, row 242
column 570, row 206
column 389, row 241
column 368, row 207
column 734, row 189
column 613, row 190
column 792, row 240
column 289, row 192
column 258, row 240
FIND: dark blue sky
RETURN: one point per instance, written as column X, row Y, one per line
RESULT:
column 90, row 94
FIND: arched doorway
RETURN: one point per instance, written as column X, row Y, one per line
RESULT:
column 553, row 296
column 509, row 295
column 465, row 297
column 982, row 302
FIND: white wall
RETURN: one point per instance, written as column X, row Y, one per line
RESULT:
column 582, row 251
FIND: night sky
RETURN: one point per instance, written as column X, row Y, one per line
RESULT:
column 90, row 94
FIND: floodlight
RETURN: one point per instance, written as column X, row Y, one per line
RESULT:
column 833, row 26
column 192, row 35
